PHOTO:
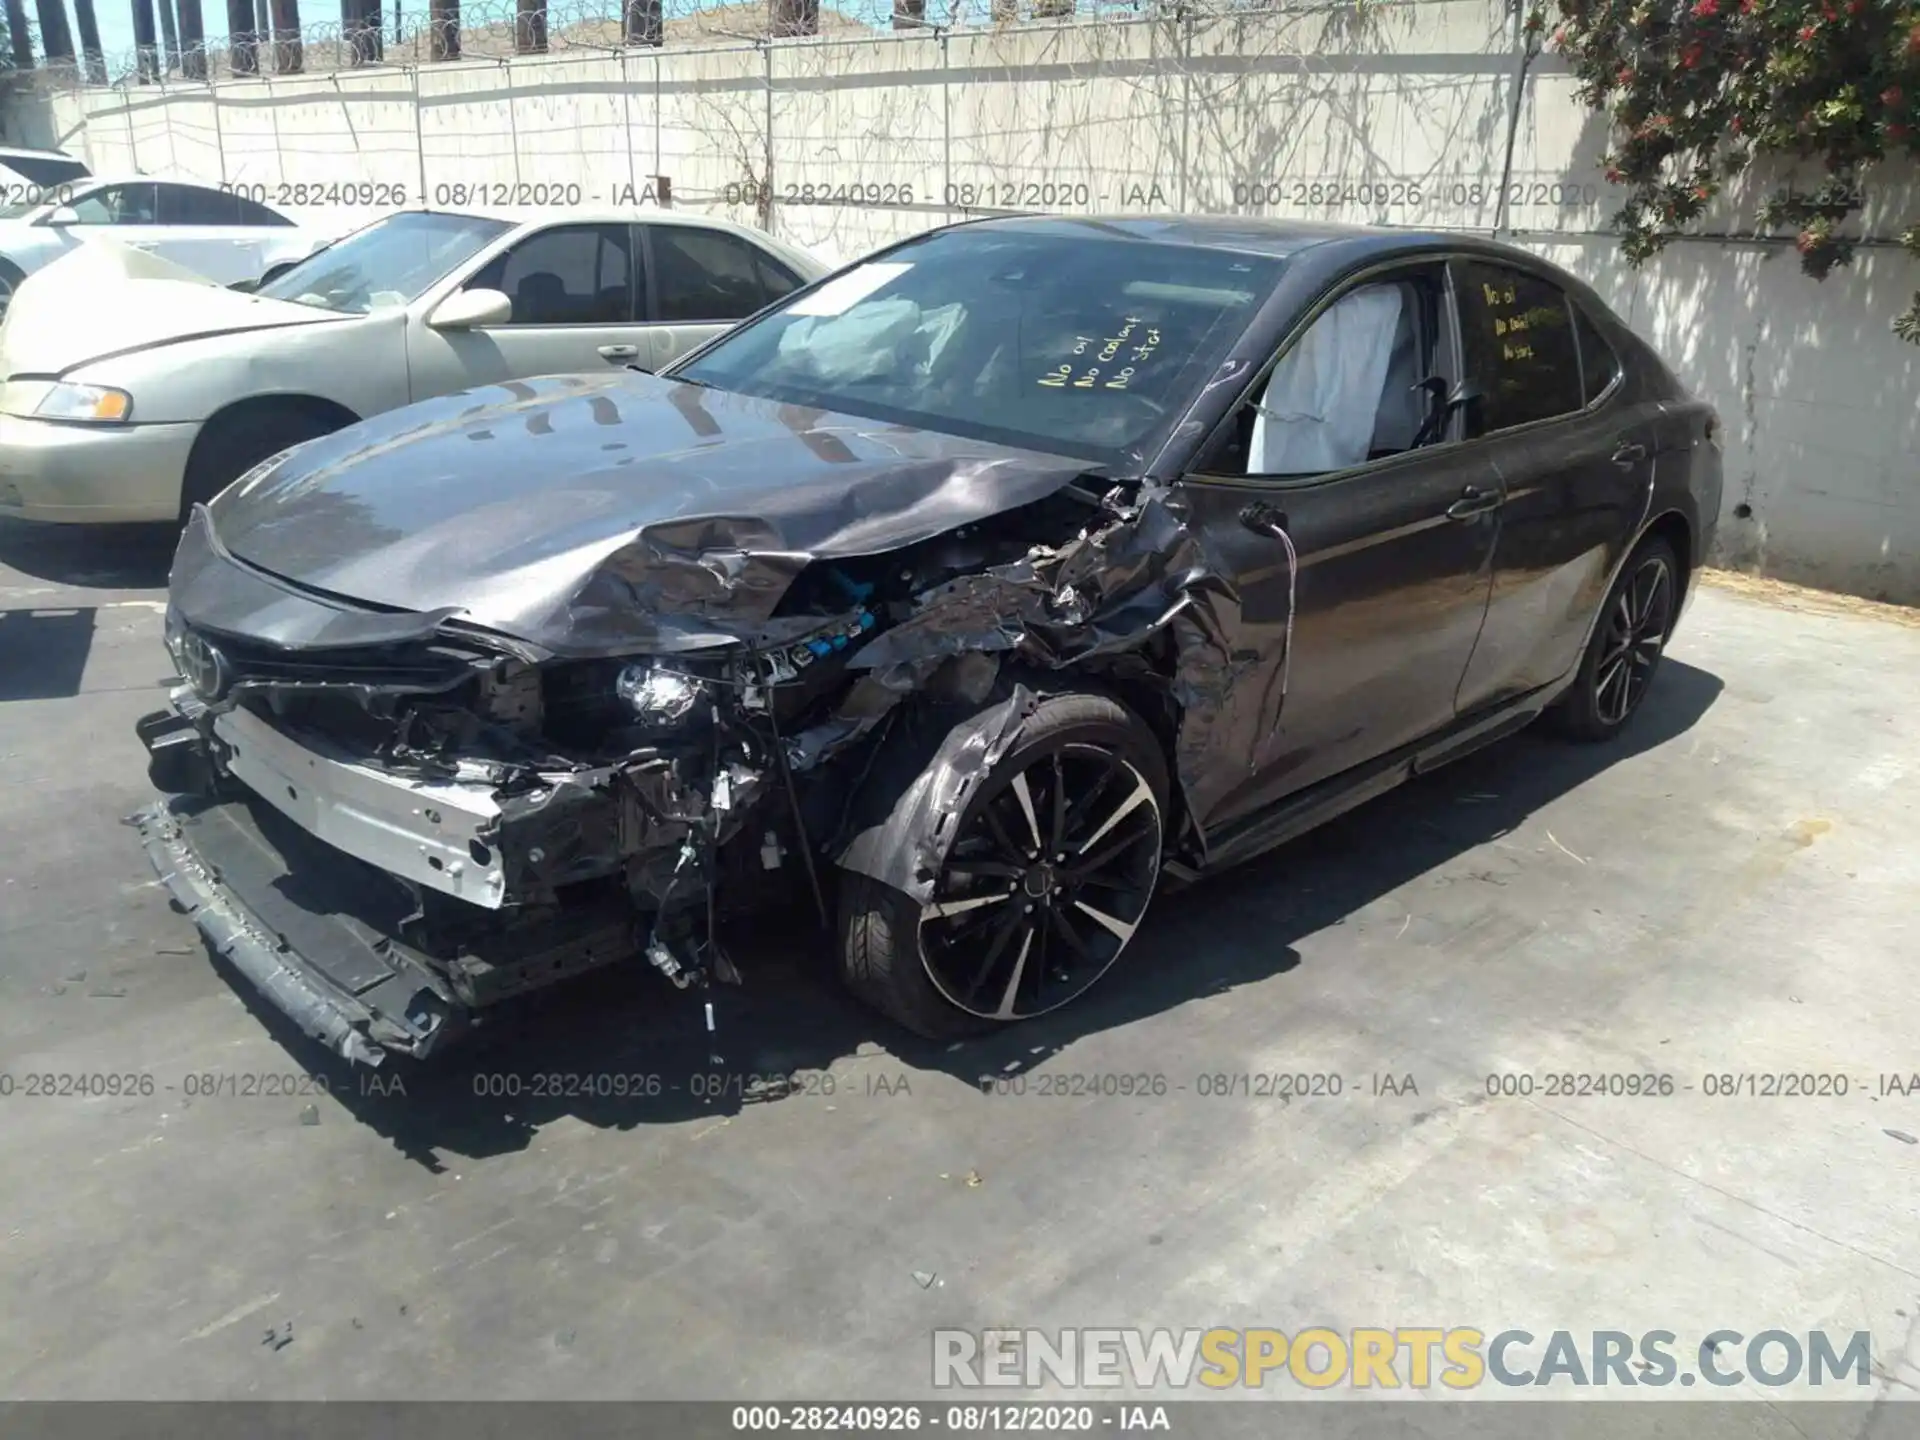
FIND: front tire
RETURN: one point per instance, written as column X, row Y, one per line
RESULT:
column 1051, row 868
column 1629, row 638
column 11, row 277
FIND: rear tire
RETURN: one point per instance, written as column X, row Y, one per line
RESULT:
column 234, row 444
column 1014, row 930
column 1629, row 637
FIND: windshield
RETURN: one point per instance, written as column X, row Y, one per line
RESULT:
column 39, row 199
column 391, row 262
column 1073, row 343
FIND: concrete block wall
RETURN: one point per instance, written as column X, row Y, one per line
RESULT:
column 1422, row 113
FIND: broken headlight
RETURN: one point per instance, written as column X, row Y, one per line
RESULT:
column 659, row 697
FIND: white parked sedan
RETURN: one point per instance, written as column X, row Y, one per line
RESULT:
column 134, row 389
column 224, row 237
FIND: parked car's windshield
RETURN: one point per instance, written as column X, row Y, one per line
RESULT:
column 44, row 199
column 1066, row 342
column 391, row 262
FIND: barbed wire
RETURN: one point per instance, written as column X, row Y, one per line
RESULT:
column 505, row 29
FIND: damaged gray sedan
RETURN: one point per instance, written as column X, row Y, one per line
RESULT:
column 969, row 596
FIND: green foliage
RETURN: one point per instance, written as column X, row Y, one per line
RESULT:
column 1697, row 90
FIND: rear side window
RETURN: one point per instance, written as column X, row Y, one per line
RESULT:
column 193, row 205
column 1517, row 332
column 1599, row 366
column 711, row 275
column 252, row 212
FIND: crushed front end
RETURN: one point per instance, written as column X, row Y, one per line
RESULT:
column 390, row 821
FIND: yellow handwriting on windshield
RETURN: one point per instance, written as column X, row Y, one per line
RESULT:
column 1107, row 363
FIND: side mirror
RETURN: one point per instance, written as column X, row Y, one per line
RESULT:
column 62, row 215
column 471, row 309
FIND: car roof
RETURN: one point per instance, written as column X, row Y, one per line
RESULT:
column 625, row 215
column 1251, row 235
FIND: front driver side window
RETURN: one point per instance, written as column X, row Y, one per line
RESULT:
column 117, row 205
column 569, row 275
column 1361, row 384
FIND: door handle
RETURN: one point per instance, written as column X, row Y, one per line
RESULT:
column 1630, row 453
column 619, row 352
column 1262, row 519
column 1473, row 501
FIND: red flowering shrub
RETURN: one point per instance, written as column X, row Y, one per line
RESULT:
column 1699, row 89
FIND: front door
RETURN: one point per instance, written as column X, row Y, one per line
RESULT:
column 575, row 292
column 1351, row 451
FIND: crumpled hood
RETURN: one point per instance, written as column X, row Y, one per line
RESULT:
column 104, row 298
column 606, row 514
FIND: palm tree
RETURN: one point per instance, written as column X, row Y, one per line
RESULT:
column 530, row 27
column 17, row 33
column 360, row 25
column 193, row 41
column 443, row 30
column 243, row 41
column 169, row 36
column 96, row 63
column 643, row 23
column 289, row 57
column 146, row 64
column 55, row 39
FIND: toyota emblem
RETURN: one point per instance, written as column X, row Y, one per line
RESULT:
column 204, row 666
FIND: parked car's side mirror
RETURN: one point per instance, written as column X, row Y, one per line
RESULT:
column 470, row 309
column 62, row 215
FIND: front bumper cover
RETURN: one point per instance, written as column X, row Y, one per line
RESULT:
column 311, row 937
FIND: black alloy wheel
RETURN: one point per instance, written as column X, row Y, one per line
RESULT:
column 1049, row 875
column 1635, row 627
column 1629, row 637
column 10, row 278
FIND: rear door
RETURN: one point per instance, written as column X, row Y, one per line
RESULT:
column 575, row 291
column 200, row 228
column 1576, row 465
column 703, row 282
column 1350, row 451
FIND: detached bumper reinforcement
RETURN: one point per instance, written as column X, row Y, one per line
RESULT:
column 355, row 992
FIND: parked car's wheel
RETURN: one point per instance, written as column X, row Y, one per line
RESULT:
column 1049, row 872
column 1628, row 641
column 10, row 277
column 233, row 444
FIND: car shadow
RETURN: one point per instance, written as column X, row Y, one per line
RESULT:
column 95, row 557
column 621, row 1049
column 44, row 651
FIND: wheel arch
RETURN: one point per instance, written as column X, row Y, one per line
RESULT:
column 926, row 769
column 287, row 403
column 1673, row 527
column 317, row 407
